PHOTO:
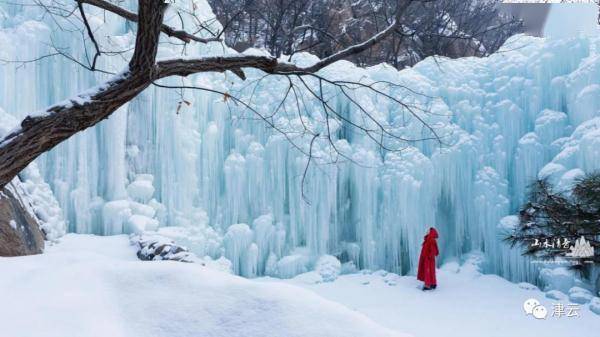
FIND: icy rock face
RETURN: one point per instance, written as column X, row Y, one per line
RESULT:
column 529, row 111
column 44, row 203
column 31, row 193
column 20, row 232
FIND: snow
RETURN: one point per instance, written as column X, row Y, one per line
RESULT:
column 595, row 305
column 556, row 295
column 465, row 303
column 87, row 286
column 140, row 223
column 43, row 203
column 559, row 278
column 580, row 295
column 528, row 111
column 292, row 265
column 141, row 188
column 328, row 267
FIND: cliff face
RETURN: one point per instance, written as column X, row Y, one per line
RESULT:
column 20, row 232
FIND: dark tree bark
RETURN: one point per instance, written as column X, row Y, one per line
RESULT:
column 39, row 134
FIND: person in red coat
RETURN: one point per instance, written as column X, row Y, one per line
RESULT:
column 429, row 251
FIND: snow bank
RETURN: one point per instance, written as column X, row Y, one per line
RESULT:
column 162, row 299
column 464, row 304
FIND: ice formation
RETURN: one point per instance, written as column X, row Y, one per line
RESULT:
column 232, row 186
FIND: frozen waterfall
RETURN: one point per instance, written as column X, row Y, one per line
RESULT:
column 232, row 185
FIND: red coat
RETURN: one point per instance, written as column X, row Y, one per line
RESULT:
column 429, row 251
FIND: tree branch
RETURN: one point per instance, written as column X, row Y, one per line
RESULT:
column 169, row 31
column 41, row 133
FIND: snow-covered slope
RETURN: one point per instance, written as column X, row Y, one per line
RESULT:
column 209, row 165
column 466, row 304
column 89, row 286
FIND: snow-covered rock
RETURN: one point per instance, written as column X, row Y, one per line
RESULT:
column 292, row 265
column 329, row 267
column 559, row 278
column 153, row 247
column 44, row 203
column 556, row 295
column 527, row 286
column 349, row 268
column 595, row 305
column 580, row 295
column 20, row 232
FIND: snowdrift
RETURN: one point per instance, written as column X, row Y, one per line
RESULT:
column 88, row 286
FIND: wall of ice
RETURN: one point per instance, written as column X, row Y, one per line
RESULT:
column 232, row 186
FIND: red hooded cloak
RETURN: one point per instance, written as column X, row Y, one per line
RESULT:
column 429, row 251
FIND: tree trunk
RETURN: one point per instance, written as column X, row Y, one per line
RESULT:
column 41, row 133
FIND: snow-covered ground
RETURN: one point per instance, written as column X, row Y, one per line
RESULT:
column 95, row 286
column 466, row 303
column 87, row 286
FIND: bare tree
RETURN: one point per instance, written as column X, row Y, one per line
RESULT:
column 452, row 28
column 42, row 131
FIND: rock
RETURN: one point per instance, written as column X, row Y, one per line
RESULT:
column 578, row 289
column 311, row 277
column 155, row 247
column 559, row 278
column 595, row 305
column 556, row 295
column 381, row 272
column 291, row 265
column 527, row 286
column 391, row 279
column 20, row 232
column 580, row 295
column 349, row 268
column 329, row 267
